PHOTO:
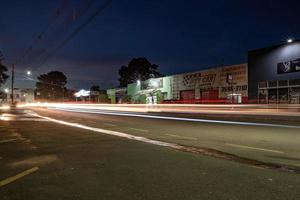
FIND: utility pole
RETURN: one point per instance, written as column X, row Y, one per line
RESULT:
column 12, row 83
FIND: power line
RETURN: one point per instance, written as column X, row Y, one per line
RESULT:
column 77, row 30
column 40, row 35
column 71, row 15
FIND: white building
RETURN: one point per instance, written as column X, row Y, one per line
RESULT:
column 24, row 95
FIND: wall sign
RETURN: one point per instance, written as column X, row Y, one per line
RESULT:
column 289, row 66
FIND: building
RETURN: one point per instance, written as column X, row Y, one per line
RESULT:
column 274, row 73
column 21, row 95
column 3, row 97
column 228, row 84
column 222, row 84
column 118, row 95
column 151, row 91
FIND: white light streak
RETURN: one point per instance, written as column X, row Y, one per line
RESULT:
column 109, row 132
column 177, row 118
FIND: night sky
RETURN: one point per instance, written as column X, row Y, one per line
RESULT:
column 178, row 35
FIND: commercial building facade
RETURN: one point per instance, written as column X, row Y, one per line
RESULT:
column 21, row 95
column 151, row 91
column 222, row 84
column 274, row 74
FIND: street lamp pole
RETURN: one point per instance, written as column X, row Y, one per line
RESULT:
column 12, row 83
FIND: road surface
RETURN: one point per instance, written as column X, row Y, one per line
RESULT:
column 269, row 141
column 55, row 154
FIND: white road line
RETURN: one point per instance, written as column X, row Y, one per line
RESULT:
column 114, row 133
column 139, row 129
column 254, row 148
column 180, row 119
column 184, row 137
column 7, row 140
column 127, row 136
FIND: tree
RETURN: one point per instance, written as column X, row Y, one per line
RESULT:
column 51, row 86
column 98, row 95
column 137, row 69
column 3, row 71
column 95, row 88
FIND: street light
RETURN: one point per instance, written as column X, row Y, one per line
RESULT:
column 28, row 73
column 6, row 90
column 138, row 82
column 290, row 40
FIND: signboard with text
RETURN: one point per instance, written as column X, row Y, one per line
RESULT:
column 288, row 67
column 226, row 80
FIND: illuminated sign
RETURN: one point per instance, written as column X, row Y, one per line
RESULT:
column 82, row 93
column 153, row 83
column 288, row 67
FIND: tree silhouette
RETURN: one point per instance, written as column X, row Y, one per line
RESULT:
column 51, row 86
column 3, row 71
column 137, row 69
column 95, row 88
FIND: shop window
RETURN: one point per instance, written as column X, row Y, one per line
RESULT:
column 295, row 82
column 263, row 84
column 272, row 83
column 283, row 95
column 283, row 83
column 272, row 95
column 294, row 95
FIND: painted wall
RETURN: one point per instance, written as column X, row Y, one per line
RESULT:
column 210, row 83
column 138, row 91
column 212, row 79
column 167, row 87
column 133, row 90
column 111, row 93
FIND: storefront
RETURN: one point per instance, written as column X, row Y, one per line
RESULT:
column 223, row 84
column 151, row 91
column 118, row 95
column 274, row 74
column 228, row 84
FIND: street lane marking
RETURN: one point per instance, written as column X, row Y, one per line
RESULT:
column 8, row 140
column 255, row 148
column 179, row 118
column 139, row 129
column 18, row 176
column 109, row 132
column 184, row 137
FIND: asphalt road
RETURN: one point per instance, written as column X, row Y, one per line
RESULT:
column 42, row 158
column 268, row 142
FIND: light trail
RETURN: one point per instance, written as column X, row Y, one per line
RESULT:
column 254, row 148
column 109, row 132
column 199, row 150
column 235, row 109
column 5, row 107
column 176, row 118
